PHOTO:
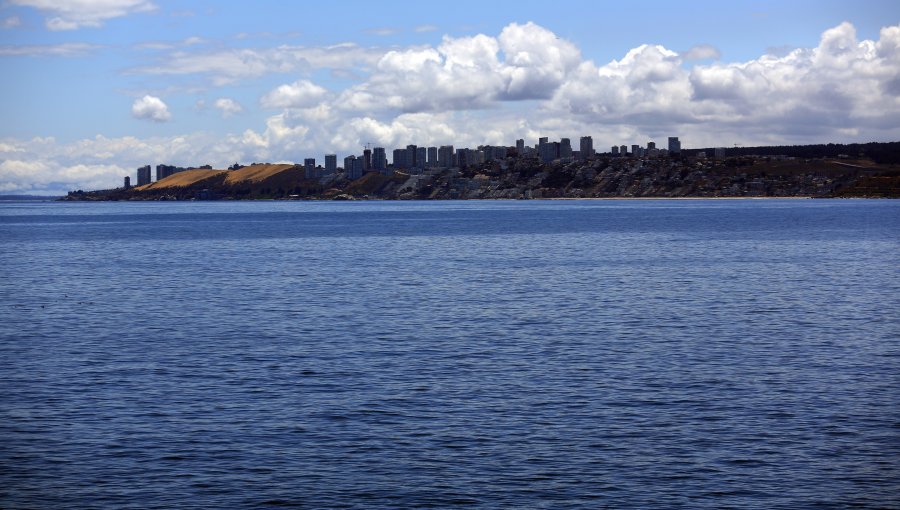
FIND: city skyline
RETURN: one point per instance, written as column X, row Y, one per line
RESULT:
column 102, row 88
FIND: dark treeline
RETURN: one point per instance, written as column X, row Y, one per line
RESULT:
column 879, row 152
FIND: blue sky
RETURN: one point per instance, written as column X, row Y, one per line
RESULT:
column 95, row 88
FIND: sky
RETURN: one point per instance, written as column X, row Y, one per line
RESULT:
column 93, row 89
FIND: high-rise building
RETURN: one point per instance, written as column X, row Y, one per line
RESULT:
column 635, row 150
column 587, row 147
column 462, row 158
column 549, row 151
column 674, row 145
column 127, row 181
column 445, row 156
column 353, row 167
column 520, row 146
column 399, row 158
column 309, row 168
column 367, row 160
column 542, row 139
column 615, row 150
column 651, row 145
column 411, row 156
column 420, row 157
column 623, row 149
column 330, row 164
column 565, row 148
column 163, row 171
column 143, row 175
column 432, row 157
column 379, row 160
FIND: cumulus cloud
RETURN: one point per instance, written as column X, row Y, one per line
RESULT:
column 150, row 108
column 300, row 94
column 809, row 94
column 49, row 178
column 467, row 72
column 75, row 14
column 228, row 106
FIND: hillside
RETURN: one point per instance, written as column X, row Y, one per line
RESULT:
column 513, row 177
column 255, row 173
column 186, row 179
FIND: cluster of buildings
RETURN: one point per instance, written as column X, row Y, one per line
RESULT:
column 162, row 171
column 650, row 150
column 415, row 160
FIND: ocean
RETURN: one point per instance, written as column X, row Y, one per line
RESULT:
column 509, row 354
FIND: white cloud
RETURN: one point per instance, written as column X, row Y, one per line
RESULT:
column 49, row 50
column 10, row 22
column 426, row 28
column 190, row 41
column 384, row 31
column 74, row 14
column 808, row 95
column 300, row 94
column 150, row 108
column 467, row 72
column 701, row 52
column 228, row 107
column 225, row 66
column 50, row 178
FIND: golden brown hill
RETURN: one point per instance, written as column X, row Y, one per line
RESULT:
column 255, row 173
column 182, row 179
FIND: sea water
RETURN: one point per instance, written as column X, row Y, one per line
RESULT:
column 517, row 354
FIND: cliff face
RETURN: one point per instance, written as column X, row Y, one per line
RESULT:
column 523, row 178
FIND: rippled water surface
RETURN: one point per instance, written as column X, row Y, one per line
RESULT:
column 561, row 354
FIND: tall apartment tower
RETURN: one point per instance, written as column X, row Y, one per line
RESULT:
column 367, row 160
column 615, row 150
column 127, row 181
column 399, row 160
column 520, row 146
column 143, row 175
column 420, row 157
column 411, row 156
column 651, row 145
column 445, row 156
column 565, row 148
column 432, row 157
column 587, row 147
column 330, row 164
column 623, row 149
column 309, row 168
column 379, row 159
column 674, row 145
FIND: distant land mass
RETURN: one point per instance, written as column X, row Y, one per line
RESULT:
column 832, row 170
column 28, row 197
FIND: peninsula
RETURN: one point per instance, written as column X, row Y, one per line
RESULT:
column 549, row 170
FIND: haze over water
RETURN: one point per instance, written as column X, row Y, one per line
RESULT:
column 529, row 354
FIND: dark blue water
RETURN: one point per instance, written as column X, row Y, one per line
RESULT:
column 562, row 354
